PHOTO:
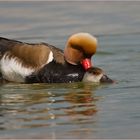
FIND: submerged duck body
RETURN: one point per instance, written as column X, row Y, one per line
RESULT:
column 74, row 74
column 57, row 73
column 42, row 62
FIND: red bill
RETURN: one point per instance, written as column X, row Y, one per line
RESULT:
column 86, row 63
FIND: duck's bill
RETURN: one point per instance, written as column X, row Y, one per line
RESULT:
column 106, row 79
column 86, row 63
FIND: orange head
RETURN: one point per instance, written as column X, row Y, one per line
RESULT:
column 79, row 47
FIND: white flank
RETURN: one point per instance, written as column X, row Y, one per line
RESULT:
column 89, row 77
column 73, row 75
column 50, row 58
column 12, row 69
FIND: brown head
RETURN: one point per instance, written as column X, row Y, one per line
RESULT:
column 79, row 47
column 96, row 75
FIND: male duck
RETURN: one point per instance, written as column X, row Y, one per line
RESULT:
column 42, row 62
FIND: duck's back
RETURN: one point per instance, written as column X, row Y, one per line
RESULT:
column 20, row 59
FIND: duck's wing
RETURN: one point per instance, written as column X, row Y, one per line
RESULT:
column 30, row 55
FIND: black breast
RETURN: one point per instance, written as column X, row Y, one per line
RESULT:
column 57, row 73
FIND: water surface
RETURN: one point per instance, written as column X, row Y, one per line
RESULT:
column 75, row 110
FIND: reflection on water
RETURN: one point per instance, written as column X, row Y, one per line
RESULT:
column 40, row 105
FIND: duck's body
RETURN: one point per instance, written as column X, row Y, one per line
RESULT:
column 41, row 62
column 44, row 63
column 19, row 60
column 57, row 73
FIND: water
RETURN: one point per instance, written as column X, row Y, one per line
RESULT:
column 75, row 110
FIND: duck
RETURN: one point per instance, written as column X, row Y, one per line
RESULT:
column 74, row 74
column 44, row 63
column 96, row 75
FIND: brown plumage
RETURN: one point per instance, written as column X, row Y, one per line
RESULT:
column 30, row 55
column 19, row 59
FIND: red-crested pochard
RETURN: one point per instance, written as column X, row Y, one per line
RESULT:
column 41, row 62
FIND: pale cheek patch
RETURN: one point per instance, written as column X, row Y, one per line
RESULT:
column 96, row 78
column 12, row 69
column 92, row 78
